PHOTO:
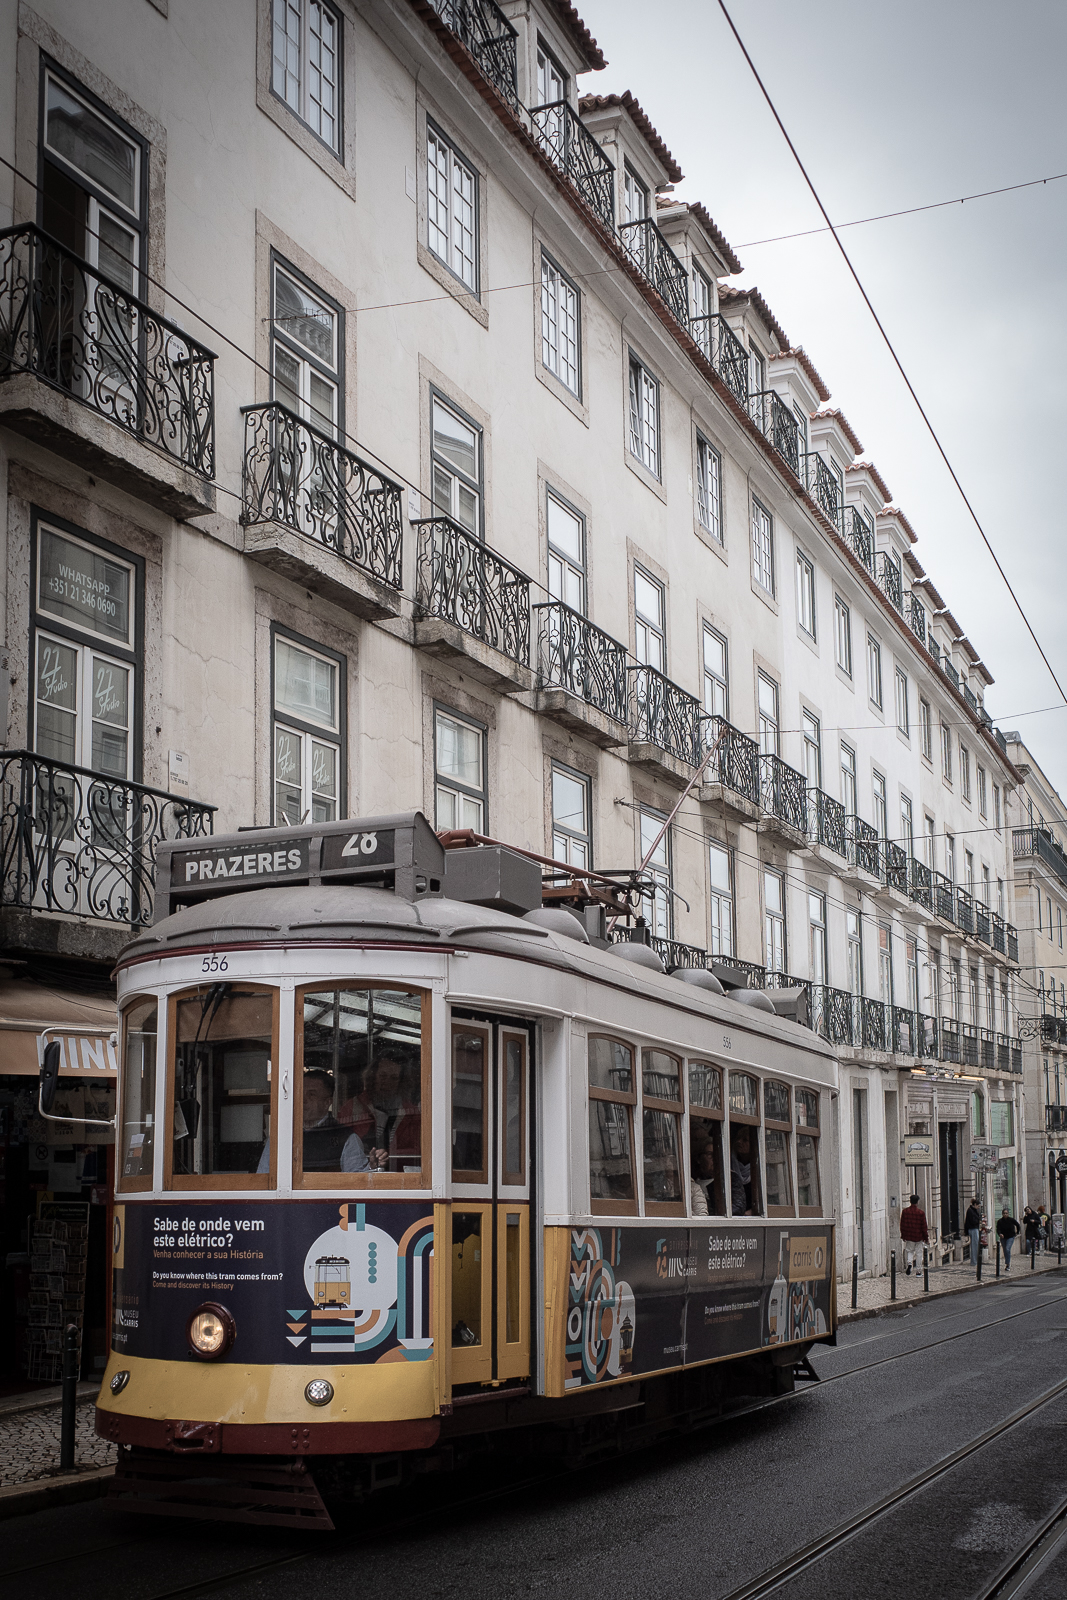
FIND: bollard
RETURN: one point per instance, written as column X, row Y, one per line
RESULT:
column 1033, row 1254
column 978, row 1273
column 1059, row 1251
column 926, row 1269
column 855, row 1282
column 893, row 1275
column 70, row 1394
column 998, row 1255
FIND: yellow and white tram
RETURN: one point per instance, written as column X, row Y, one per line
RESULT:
column 399, row 1171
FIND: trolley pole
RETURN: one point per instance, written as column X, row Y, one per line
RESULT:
column 892, row 1275
column 926, row 1269
column 855, row 1282
column 70, row 1395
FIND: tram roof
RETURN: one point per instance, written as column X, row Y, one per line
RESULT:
column 329, row 914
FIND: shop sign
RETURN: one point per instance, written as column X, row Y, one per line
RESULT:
column 87, row 1056
column 917, row 1150
column 984, row 1157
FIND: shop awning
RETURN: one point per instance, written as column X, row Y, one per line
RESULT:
column 83, row 1025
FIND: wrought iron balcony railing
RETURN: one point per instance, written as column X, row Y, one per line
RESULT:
column 863, row 846
column 964, row 911
column 1056, row 1119
column 83, row 843
column 664, row 715
column 888, row 576
column 1016, row 1055
column 927, row 1036
column 754, row 975
column 1013, row 943
column 987, row 1049
column 920, row 883
column 876, row 1024
column 969, row 1044
column 916, row 616
column 833, row 1014
column 730, row 359
column 1041, row 843
column 736, row 765
column 300, row 477
column 905, row 1031
column 999, row 939
column 894, row 866
column 462, row 581
column 970, row 698
column 944, row 898
column 949, row 670
column 573, row 151
column 784, row 792
column 488, row 38
column 778, row 424
column 982, row 922
column 82, row 333
column 826, row 818
column 951, row 1048
column 575, row 656
column 859, row 537
column 1003, row 1053
column 653, row 256
column 822, row 486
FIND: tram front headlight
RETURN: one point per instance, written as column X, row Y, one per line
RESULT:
column 210, row 1331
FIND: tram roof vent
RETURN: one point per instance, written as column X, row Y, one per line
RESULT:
column 399, row 852
column 492, row 875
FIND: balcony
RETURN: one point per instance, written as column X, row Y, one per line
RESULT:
column 915, row 616
column 969, row 1043
column 864, row 846
column 982, row 922
column 1040, row 842
column 488, row 38
column 319, row 515
column 575, row 154
column 833, row 1014
column 944, row 897
column 905, row 1031
column 471, row 605
column 746, row 974
column 822, row 486
column 951, row 1047
column 784, row 799
column 859, row 538
column 732, row 776
column 921, row 884
column 96, row 376
column 826, row 818
column 894, row 866
column 1013, row 943
column 999, row 938
column 964, row 911
column 728, row 356
column 582, row 675
column 81, row 844
column 778, row 424
column 665, row 725
column 876, row 1025
column 987, row 1050
column 887, row 576
column 657, row 262
column 1056, row 1119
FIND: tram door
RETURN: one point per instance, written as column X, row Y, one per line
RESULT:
column 491, row 1202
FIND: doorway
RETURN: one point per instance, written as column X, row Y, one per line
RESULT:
column 949, row 1150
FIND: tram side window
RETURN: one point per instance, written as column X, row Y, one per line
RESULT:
column 808, row 1195
column 777, row 1126
column 745, row 1198
column 139, row 1031
column 612, row 1097
column 661, row 1125
column 359, row 1070
column 222, row 1081
column 470, row 1102
column 707, row 1191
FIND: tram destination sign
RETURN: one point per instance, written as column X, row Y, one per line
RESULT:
column 244, row 862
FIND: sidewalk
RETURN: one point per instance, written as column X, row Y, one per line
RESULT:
column 29, row 1437
column 873, row 1293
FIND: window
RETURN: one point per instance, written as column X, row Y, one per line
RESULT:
column 222, row 1097
column 926, row 729
column 700, row 325
column 456, row 463
column 705, row 1136
column 978, row 1114
column 965, row 772
column 1001, row 1129
column 881, row 809
column 946, row 752
column 757, row 371
column 778, row 1125
column 911, row 960
column 745, row 1197
column 1000, row 897
column 774, row 920
column 1048, row 904
column 644, row 416
column 661, row 1128
column 903, row 712
column 907, row 827
column 1059, row 920
column 950, row 857
column 885, row 965
column 996, row 806
column 809, row 1198
column 1039, row 927
column 140, row 1028
column 874, row 671
column 566, row 554
column 968, row 867
column 634, row 196
column 308, row 723
column 571, row 832
column 452, row 208
column 716, row 683
column 805, row 594
column 848, row 779
column 709, row 488
column 461, row 796
column 812, row 749
column 763, row 547
column 559, row 325
column 551, row 78
column 612, row 1098
column 842, row 635
column 306, row 346
column 983, row 809
column 307, row 56
column 721, row 900
column 658, row 906
column 649, row 624
column 817, row 936
column 854, row 952
column 767, row 697
column 930, row 842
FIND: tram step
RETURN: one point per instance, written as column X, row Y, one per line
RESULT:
column 281, row 1494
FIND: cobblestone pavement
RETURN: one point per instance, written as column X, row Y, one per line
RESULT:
column 873, row 1293
column 29, row 1444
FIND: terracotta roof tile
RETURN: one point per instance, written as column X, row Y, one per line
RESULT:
column 730, row 295
column 714, row 233
column 895, row 511
column 579, row 34
column 608, row 102
column 843, row 423
column 804, row 361
column 875, row 476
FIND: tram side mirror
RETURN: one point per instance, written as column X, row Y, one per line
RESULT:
column 49, row 1075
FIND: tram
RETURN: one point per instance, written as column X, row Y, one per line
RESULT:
column 410, row 1166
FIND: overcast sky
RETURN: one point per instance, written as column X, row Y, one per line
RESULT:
column 894, row 103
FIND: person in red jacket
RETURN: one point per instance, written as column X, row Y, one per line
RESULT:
column 913, row 1232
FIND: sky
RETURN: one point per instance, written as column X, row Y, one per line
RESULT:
column 893, row 104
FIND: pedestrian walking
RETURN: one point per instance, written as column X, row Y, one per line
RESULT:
column 1008, row 1231
column 972, row 1224
column 1031, row 1228
column 913, row 1233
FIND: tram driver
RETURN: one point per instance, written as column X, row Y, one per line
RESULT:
column 329, row 1145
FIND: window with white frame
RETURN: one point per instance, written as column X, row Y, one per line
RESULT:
column 874, row 671
column 763, row 546
column 308, row 724
column 571, row 811
column 451, row 208
column 817, row 936
column 806, row 594
column 721, row 900
column 456, row 461
column 559, row 326
column 950, row 857
column 716, row 678
column 702, row 303
column 649, row 621
column 644, row 416
column 461, row 796
column 767, row 705
column 946, row 752
column 551, row 78
column 907, row 827
column 774, row 920
column 307, row 65
column 965, row 772
column 658, row 906
column 809, row 727
column 911, row 960
column 881, row 808
column 634, row 196
column 848, row 779
column 566, row 553
column 987, row 885
column 306, row 330
column 709, row 488
column 996, row 807
column 930, row 841
column 983, row 797
column 842, row 635
column 903, row 709
column 926, row 729
column 757, row 370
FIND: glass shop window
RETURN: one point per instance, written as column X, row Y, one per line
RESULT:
column 223, row 1100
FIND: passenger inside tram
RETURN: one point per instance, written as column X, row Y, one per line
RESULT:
column 706, row 1169
column 743, row 1188
column 329, row 1145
